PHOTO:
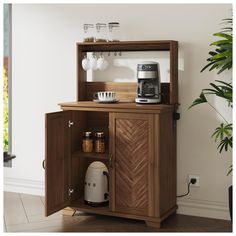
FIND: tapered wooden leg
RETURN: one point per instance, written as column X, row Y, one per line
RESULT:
column 153, row 224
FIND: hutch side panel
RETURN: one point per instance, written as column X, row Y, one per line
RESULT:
column 166, row 159
column 131, row 140
column 57, row 161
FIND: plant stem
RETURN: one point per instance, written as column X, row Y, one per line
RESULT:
column 218, row 112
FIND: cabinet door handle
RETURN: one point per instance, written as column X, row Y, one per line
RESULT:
column 110, row 161
column 43, row 164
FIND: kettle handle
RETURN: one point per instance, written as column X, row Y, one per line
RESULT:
column 107, row 175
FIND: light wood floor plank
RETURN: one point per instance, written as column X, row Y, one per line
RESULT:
column 43, row 200
column 47, row 226
column 35, row 209
column 42, row 217
column 32, row 204
column 16, row 220
column 14, row 212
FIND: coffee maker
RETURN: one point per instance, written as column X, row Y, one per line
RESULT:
column 149, row 87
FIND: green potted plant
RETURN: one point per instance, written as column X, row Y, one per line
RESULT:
column 220, row 60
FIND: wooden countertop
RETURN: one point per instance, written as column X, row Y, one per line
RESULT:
column 117, row 107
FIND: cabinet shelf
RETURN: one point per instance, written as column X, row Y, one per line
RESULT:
column 93, row 155
column 80, row 205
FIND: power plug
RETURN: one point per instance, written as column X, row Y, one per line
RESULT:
column 194, row 180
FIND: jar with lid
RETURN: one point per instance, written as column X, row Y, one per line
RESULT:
column 99, row 142
column 89, row 33
column 101, row 35
column 87, row 144
column 114, row 31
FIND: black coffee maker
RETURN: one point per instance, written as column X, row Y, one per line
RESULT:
column 149, row 87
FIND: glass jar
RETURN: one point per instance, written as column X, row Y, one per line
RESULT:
column 114, row 31
column 89, row 33
column 101, row 32
column 99, row 142
column 87, row 142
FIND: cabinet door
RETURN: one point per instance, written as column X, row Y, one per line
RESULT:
column 131, row 145
column 57, row 161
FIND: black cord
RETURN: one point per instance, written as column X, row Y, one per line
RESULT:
column 183, row 195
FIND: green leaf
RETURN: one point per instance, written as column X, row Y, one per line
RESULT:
column 225, row 144
column 230, row 169
column 222, row 132
column 220, row 42
column 223, row 35
column 201, row 99
column 225, row 83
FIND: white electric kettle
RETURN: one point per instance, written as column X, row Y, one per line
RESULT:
column 96, row 185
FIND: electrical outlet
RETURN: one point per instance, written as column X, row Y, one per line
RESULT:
column 197, row 184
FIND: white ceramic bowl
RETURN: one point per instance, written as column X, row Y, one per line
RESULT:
column 106, row 96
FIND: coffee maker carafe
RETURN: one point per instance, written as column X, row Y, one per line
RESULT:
column 148, row 89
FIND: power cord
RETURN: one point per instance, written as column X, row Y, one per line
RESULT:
column 192, row 181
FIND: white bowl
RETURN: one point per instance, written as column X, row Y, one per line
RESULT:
column 106, row 96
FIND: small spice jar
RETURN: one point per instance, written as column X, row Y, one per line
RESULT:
column 99, row 142
column 87, row 142
column 89, row 33
column 114, row 31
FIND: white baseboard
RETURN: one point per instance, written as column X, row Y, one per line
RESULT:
column 24, row 186
column 203, row 208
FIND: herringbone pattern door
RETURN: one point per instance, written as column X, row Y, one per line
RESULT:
column 131, row 157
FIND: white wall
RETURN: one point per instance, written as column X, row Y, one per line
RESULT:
column 44, row 38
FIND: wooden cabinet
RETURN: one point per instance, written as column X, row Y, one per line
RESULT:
column 140, row 145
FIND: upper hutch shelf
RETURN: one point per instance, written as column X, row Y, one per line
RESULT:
column 127, row 91
column 162, row 45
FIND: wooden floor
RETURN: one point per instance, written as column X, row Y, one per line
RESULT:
column 25, row 213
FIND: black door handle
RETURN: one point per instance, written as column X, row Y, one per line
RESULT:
column 43, row 164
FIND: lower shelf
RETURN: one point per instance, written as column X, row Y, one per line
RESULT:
column 81, row 206
column 105, row 210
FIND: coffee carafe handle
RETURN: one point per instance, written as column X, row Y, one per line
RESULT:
column 141, row 87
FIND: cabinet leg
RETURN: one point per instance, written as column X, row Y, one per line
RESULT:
column 153, row 224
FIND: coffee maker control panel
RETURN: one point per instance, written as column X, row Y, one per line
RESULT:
column 147, row 67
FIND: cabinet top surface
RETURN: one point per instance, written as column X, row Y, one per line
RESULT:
column 119, row 107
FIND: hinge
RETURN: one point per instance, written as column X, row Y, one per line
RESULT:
column 70, row 191
column 70, row 123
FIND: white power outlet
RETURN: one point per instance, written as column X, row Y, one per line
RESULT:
column 197, row 184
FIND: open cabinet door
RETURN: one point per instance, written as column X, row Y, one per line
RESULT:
column 57, row 161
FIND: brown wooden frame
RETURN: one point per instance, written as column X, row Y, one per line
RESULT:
column 170, row 90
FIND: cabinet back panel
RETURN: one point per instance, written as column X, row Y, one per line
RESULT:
column 124, row 91
column 80, row 122
column 99, row 121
